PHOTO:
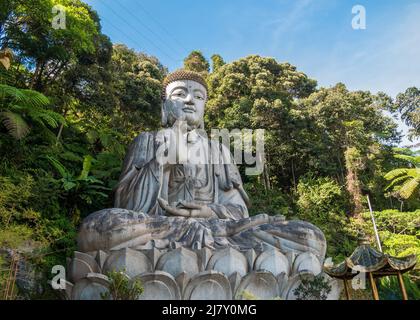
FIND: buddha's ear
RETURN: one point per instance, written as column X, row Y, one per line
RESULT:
column 201, row 125
column 164, row 119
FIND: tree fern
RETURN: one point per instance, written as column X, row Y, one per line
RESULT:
column 409, row 187
column 396, row 181
column 15, row 124
column 405, row 181
column 415, row 160
column 24, row 103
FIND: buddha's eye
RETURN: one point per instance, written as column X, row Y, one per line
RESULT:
column 198, row 95
column 178, row 93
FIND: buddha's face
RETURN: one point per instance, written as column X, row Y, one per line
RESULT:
column 185, row 101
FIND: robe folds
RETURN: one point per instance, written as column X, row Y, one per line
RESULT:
column 137, row 218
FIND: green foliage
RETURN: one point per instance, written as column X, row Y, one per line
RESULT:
column 405, row 181
column 246, row 295
column 389, row 288
column 324, row 147
column 81, row 189
column 3, row 275
column 398, row 231
column 217, row 62
column 27, row 30
column 317, row 288
column 196, row 62
column 408, row 104
column 122, row 288
column 15, row 125
column 18, row 223
column 323, row 202
column 18, row 104
column 271, row 201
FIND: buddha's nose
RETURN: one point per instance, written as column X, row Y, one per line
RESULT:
column 189, row 100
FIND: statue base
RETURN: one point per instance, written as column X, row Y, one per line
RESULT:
column 197, row 274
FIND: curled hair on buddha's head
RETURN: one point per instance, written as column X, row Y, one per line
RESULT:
column 182, row 74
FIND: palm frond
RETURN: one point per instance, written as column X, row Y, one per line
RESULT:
column 414, row 172
column 5, row 76
column 24, row 97
column 46, row 117
column 35, row 98
column 395, row 173
column 409, row 187
column 415, row 160
column 15, row 124
column 396, row 181
column 11, row 92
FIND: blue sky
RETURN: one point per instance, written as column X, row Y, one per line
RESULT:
column 314, row 35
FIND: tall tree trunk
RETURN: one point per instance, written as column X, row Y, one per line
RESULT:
column 266, row 177
column 293, row 175
column 60, row 130
column 343, row 179
column 36, row 79
column 353, row 187
column 352, row 180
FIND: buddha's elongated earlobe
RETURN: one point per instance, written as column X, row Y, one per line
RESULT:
column 164, row 119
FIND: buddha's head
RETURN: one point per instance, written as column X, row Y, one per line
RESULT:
column 184, row 98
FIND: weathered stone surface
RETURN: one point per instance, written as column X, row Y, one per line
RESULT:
column 235, row 279
column 132, row 262
column 228, row 261
column 307, row 262
column 182, row 280
column 260, row 284
column 183, row 263
column 89, row 259
column 79, row 269
column 250, row 255
column 337, row 287
column 159, row 285
column 177, row 261
column 101, row 258
column 208, row 285
column 153, row 254
column 273, row 261
column 282, row 282
column 90, row 288
column 204, row 256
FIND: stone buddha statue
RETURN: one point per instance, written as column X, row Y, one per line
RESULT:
column 194, row 201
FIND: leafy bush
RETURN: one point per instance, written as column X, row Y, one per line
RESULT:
column 398, row 231
column 389, row 288
column 122, row 288
column 323, row 202
column 317, row 288
column 272, row 201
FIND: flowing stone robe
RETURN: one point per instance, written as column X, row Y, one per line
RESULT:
column 138, row 219
column 217, row 185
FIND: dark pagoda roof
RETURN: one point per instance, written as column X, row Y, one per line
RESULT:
column 367, row 259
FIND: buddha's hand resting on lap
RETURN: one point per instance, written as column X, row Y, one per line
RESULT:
column 187, row 209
